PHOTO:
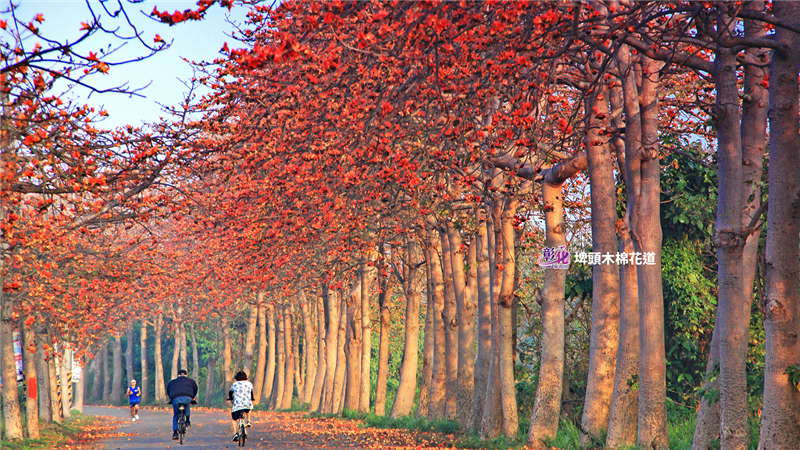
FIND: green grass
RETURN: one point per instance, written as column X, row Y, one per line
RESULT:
column 52, row 435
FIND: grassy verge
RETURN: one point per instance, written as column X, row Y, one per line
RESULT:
column 55, row 435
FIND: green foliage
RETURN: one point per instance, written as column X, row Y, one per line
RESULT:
column 794, row 375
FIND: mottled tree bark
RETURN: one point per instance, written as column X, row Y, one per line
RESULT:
column 484, row 321
column 605, row 277
column 45, row 404
column 411, row 279
column 52, row 370
column 12, row 415
column 547, row 405
column 161, row 395
column 227, row 357
column 367, row 276
column 781, row 412
column 309, row 346
column 31, row 383
column 353, row 348
column 288, row 382
column 492, row 420
column 466, row 303
column 341, row 363
column 506, row 321
column 427, row 351
column 450, row 322
column 108, row 376
column 99, row 375
column 129, row 337
column 195, row 356
column 117, row 382
column 331, row 346
column 436, row 409
column 269, row 377
column 261, row 364
column 322, row 351
column 212, row 361
column 145, row 381
column 383, row 347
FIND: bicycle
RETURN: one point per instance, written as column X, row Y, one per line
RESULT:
column 241, row 427
column 181, row 423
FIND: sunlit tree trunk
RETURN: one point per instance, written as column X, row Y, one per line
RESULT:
column 506, row 322
column 277, row 402
column 261, row 364
column 367, row 277
column 465, row 306
column 492, row 420
column 176, row 350
column 547, row 405
column 331, row 347
column 145, row 397
column 436, row 410
column 484, row 317
column 427, row 351
column 341, row 363
column 411, row 279
column 299, row 382
column 383, row 346
column 195, row 356
column 605, row 285
column 161, row 396
column 309, row 346
column 321, row 369
column 288, row 381
column 12, row 416
column 353, row 349
column 781, row 412
column 450, row 323
column 80, row 385
column 184, row 347
column 269, row 377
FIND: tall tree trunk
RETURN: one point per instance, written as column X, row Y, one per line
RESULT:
column 145, row 378
column 184, row 346
column 436, row 410
column 383, row 347
column 341, row 363
column 65, row 369
column 176, row 350
column 261, row 364
column 484, row 317
column 411, row 279
column 117, row 382
column 547, row 405
column 353, row 349
column 729, row 241
column 55, row 386
column 427, row 352
column 492, row 420
column 450, row 322
column 250, row 341
column 99, row 375
column 129, row 336
column 108, row 376
column 227, row 357
column 465, row 309
column 45, row 405
column 299, row 382
column 212, row 361
column 506, row 322
column 367, row 277
column 269, row 377
column 331, row 346
column 605, row 286
column 280, row 381
column 12, row 416
column 322, row 351
column 161, row 395
column 781, row 412
column 31, row 382
column 309, row 346
column 195, row 356
column 79, row 385
column 288, row 381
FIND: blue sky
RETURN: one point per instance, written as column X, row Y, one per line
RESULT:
column 198, row 41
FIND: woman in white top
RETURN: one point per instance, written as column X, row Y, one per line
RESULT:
column 241, row 396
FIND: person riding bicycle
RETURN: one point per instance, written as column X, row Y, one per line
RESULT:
column 241, row 397
column 181, row 391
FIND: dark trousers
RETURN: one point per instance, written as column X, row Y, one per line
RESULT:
column 177, row 402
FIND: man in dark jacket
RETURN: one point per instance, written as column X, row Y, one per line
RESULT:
column 181, row 391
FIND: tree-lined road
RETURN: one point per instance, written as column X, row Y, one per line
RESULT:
column 211, row 429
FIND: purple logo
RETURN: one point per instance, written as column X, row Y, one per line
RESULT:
column 554, row 258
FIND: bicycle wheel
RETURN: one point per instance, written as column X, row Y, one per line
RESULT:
column 181, row 426
column 242, row 433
